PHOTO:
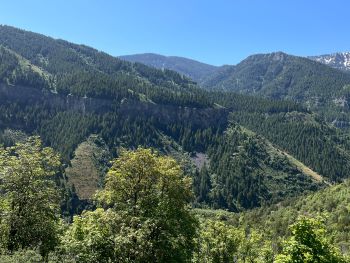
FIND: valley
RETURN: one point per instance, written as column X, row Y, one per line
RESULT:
column 245, row 150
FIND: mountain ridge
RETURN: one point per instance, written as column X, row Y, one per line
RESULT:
column 191, row 68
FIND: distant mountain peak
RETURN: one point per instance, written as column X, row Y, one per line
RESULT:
column 191, row 68
column 340, row 60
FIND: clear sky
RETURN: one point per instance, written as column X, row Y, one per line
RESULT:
column 216, row 32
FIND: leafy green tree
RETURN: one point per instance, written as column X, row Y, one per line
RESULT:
column 91, row 238
column 309, row 243
column 254, row 247
column 146, row 216
column 219, row 242
column 29, row 198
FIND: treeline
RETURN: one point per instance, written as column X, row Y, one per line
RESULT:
column 142, row 215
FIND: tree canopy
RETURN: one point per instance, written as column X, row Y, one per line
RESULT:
column 28, row 197
column 144, row 214
column 309, row 243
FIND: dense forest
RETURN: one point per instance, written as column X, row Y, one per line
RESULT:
column 142, row 214
column 277, row 75
column 68, row 92
column 103, row 160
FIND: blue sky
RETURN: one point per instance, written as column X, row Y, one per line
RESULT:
column 216, row 32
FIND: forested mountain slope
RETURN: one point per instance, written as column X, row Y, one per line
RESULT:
column 188, row 67
column 322, row 88
column 67, row 68
column 281, row 76
column 306, row 137
column 65, row 93
column 242, row 159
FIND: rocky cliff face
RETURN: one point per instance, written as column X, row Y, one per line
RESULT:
column 165, row 114
column 30, row 96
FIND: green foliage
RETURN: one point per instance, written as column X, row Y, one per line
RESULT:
column 147, row 218
column 29, row 198
column 332, row 201
column 13, row 71
column 144, row 216
column 219, row 242
column 141, row 179
column 66, row 92
column 91, row 237
column 309, row 243
column 22, row 256
column 272, row 221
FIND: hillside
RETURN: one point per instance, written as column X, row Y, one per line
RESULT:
column 188, row 67
column 272, row 221
column 281, row 76
column 66, row 92
column 306, row 137
column 242, row 159
column 278, row 76
column 67, row 68
column 332, row 201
